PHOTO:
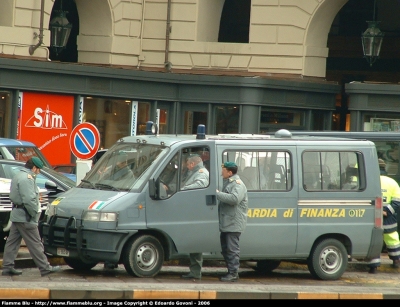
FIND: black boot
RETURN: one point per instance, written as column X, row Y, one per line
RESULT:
column 373, row 270
column 230, row 277
column 11, row 272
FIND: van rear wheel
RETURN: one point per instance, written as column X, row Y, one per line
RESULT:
column 80, row 265
column 328, row 260
column 143, row 256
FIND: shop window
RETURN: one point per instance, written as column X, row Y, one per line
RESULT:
column 113, row 118
column 143, row 117
column 227, row 119
column 163, row 119
column 5, row 114
column 383, row 124
column 273, row 120
column 192, row 119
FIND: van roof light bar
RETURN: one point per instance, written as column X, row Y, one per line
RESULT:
column 151, row 128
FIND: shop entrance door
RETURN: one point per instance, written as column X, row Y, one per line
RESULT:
column 192, row 116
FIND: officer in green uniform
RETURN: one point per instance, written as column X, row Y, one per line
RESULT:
column 197, row 177
column 232, row 212
column 24, row 195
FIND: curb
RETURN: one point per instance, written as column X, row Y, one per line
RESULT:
column 139, row 294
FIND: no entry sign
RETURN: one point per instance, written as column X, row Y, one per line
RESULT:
column 85, row 140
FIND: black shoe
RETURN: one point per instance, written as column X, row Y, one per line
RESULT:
column 11, row 272
column 190, row 276
column 230, row 277
column 52, row 269
column 373, row 270
column 396, row 264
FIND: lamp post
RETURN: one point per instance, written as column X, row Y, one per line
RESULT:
column 60, row 29
column 372, row 40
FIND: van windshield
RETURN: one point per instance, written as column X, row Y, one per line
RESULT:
column 122, row 167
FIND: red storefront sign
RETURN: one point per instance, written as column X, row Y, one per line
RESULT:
column 46, row 120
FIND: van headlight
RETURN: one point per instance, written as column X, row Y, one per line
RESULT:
column 98, row 216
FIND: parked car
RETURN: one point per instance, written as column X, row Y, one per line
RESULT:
column 68, row 170
column 51, row 184
column 20, row 150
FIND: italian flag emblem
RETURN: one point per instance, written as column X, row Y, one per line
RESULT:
column 97, row 205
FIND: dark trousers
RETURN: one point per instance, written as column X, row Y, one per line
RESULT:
column 230, row 250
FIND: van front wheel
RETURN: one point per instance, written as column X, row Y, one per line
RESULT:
column 328, row 260
column 143, row 256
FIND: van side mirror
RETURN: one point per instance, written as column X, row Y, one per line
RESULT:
column 50, row 185
column 152, row 189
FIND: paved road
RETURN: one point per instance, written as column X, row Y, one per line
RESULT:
column 289, row 281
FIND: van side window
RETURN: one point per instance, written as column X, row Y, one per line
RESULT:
column 332, row 171
column 187, row 170
column 262, row 170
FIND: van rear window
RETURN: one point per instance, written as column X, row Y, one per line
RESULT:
column 333, row 171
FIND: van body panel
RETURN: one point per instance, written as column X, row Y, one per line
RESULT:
column 145, row 219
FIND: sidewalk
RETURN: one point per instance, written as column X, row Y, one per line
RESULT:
column 291, row 281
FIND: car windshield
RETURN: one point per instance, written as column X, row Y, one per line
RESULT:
column 22, row 153
column 122, row 167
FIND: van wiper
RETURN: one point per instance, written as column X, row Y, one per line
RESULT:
column 89, row 182
column 106, row 186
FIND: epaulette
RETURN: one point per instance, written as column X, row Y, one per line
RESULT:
column 201, row 170
column 238, row 181
column 30, row 176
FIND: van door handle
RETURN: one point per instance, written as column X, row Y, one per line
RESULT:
column 211, row 200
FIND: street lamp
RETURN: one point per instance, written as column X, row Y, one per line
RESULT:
column 372, row 40
column 60, row 29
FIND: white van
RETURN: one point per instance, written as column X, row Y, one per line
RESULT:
column 311, row 200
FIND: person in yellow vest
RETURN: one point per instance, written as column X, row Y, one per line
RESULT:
column 391, row 204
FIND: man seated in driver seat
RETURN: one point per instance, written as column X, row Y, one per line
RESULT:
column 121, row 169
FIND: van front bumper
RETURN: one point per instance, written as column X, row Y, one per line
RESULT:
column 69, row 238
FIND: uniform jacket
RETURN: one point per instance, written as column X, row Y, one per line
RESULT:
column 25, row 191
column 391, row 203
column 233, row 204
column 197, row 178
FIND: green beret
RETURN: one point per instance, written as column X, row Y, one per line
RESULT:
column 229, row 165
column 37, row 162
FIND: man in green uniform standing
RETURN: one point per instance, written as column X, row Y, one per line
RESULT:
column 232, row 212
column 24, row 195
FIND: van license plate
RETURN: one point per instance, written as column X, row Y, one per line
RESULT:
column 62, row 252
